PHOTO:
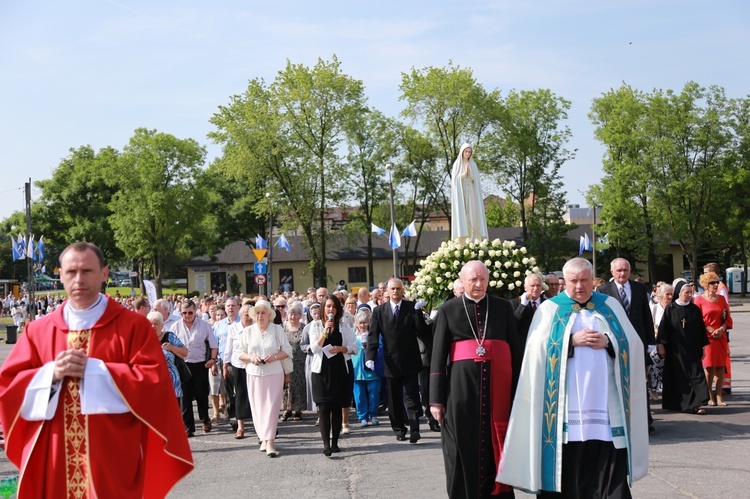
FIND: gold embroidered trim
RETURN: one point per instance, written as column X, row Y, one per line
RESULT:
column 76, row 468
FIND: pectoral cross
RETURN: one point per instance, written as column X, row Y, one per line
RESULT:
column 683, row 323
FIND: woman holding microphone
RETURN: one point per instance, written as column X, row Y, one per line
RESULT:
column 329, row 341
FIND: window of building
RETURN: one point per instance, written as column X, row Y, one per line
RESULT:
column 357, row 274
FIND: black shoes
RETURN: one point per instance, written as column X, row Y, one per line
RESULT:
column 335, row 449
column 414, row 437
column 401, row 435
column 327, row 452
column 434, row 425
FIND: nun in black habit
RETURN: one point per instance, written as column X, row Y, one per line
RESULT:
column 681, row 338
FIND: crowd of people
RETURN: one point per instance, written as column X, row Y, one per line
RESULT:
column 539, row 393
column 272, row 358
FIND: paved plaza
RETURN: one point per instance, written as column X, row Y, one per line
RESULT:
column 690, row 455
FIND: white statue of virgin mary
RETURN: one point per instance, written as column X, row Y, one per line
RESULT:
column 467, row 201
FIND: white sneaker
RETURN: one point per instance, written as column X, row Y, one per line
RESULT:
column 345, row 430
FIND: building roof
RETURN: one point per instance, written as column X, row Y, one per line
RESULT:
column 337, row 248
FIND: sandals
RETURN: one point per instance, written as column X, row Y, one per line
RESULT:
column 297, row 416
column 698, row 410
column 286, row 416
column 240, row 434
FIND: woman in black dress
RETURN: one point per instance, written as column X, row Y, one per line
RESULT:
column 680, row 340
column 330, row 339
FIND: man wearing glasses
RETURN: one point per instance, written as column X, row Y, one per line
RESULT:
column 198, row 336
column 553, row 285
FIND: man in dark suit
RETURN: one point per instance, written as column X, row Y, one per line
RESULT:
column 524, row 307
column 635, row 300
column 399, row 324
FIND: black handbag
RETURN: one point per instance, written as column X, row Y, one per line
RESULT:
column 182, row 369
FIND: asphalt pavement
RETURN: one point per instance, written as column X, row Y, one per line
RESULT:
column 690, row 456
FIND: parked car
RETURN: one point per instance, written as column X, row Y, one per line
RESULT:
column 125, row 282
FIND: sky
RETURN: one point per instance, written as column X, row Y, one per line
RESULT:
column 89, row 72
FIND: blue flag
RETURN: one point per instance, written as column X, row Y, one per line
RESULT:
column 377, row 230
column 395, row 238
column 15, row 248
column 260, row 243
column 411, row 230
column 40, row 248
column 284, row 243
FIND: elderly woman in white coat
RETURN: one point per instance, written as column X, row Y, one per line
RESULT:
column 467, row 200
column 263, row 346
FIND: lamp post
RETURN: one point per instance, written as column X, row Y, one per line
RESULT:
column 270, row 244
column 388, row 168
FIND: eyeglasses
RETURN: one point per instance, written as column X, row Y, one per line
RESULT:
column 713, row 283
column 188, row 313
column 280, row 306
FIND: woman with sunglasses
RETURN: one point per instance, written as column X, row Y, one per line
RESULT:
column 717, row 319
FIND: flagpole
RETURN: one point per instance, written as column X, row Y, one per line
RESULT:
column 593, row 242
column 388, row 168
column 29, row 261
column 270, row 244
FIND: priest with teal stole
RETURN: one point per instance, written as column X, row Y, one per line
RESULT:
column 578, row 426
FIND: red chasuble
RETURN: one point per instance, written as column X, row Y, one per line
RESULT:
column 143, row 453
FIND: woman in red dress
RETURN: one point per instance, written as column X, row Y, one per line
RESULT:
column 717, row 318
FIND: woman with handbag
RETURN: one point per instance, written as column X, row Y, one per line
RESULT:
column 263, row 347
column 173, row 350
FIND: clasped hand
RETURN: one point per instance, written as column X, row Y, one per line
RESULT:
column 71, row 363
column 588, row 337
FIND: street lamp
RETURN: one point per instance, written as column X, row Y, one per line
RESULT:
column 270, row 244
column 388, row 168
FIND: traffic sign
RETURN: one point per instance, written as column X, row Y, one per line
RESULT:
column 260, row 279
column 260, row 253
column 260, row 268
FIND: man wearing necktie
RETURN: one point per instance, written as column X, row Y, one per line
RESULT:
column 398, row 322
column 634, row 299
column 525, row 306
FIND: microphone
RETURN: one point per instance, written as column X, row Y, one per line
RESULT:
column 328, row 330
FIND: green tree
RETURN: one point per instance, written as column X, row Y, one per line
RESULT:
column 420, row 183
column 286, row 136
column 158, row 213
column 734, row 221
column 627, row 194
column 75, row 203
column 692, row 130
column 450, row 107
column 527, row 151
column 548, row 239
column 234, row 285
column 501, row 212
column 235, row 206
column 371, row 144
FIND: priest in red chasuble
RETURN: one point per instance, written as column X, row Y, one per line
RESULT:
column 86, row 400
